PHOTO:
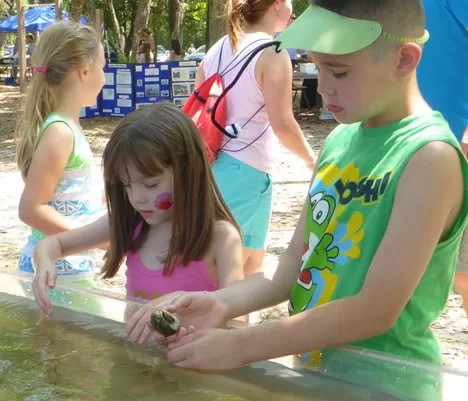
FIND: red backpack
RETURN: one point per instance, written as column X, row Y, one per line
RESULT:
column 207, row 104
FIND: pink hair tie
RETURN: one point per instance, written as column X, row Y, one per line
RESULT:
column 41, row 69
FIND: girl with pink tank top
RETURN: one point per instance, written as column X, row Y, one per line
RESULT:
column 166, row 215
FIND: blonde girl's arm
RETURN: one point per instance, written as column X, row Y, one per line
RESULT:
column 228, row 253
column 47, row 166
column 66, row 243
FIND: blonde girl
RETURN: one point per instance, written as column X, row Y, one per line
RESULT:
column 61, row 191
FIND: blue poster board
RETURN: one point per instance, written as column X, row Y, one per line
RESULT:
column 152, row 83
column 93, row 111
column 182, row 80
column 118, row 92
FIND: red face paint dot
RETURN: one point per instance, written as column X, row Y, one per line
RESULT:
column 164, row 205
column 164, row 201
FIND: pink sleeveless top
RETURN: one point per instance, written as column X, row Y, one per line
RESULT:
column 245, row 103
column 151, row 283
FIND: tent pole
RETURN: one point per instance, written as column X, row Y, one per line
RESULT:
column 58, row 10
column 21, row 47
column 99, row 21
column 107, row 46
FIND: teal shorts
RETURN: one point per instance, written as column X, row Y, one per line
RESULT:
column 249, row 194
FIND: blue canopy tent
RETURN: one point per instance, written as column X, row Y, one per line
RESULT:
column 36, row 19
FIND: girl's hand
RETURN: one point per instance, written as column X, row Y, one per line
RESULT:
column 138, row 326
column 45, row 276
column 207, row 350
column 200, row 310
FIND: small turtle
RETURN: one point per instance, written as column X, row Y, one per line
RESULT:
column 165, row 323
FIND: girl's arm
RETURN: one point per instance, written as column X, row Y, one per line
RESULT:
column 274, row 74
column 47, row 166
column 199, row 76
column 51, row 248
column 228, row 253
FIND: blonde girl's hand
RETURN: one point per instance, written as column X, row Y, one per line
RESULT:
column 45, row 275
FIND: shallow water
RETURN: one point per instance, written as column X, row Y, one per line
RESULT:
column 81, row 357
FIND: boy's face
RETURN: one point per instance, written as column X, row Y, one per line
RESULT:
column 355, row 87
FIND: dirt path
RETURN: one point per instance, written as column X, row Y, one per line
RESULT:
column 291, row 183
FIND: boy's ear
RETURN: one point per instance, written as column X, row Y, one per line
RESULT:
column 409, row 57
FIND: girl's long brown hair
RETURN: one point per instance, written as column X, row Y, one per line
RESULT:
column 62, row 48
column 240, row 12
column 150, row 140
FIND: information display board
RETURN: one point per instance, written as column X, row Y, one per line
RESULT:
column 93, row 111
column 152, row 83
column 182, row 80
column 118, row 93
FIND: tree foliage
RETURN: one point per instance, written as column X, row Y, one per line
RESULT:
column 299, row 6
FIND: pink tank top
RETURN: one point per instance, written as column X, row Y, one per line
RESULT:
column 151, row 283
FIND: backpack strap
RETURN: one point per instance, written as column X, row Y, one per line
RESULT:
column 249, row 58
column 221, row 54
column 226, row 70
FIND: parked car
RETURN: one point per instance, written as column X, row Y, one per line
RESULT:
column 197, row 55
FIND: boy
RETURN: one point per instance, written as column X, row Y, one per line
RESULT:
column 373, row 256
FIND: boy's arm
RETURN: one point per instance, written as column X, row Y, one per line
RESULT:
column 427, row 203
column 260, row 291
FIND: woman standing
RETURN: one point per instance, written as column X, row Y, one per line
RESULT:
column 261, row 104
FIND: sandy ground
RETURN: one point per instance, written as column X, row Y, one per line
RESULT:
column 291, row 183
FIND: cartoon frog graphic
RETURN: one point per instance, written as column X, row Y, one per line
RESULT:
column 319, row 255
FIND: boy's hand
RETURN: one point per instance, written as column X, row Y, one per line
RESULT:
column 207, row 350
column 202, row 310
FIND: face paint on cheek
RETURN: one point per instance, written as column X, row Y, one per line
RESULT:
column 164, row 201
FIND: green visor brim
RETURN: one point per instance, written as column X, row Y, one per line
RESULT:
column 323, row 31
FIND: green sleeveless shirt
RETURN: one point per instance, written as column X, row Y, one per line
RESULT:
column 349, row 207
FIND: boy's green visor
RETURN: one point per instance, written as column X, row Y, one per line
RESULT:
column 323, row 31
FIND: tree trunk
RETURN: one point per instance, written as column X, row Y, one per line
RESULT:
column 76, row 10
column 3, row 38
column 216, row 26
column 140, row 22
column 90, row 12
column 130, row 15
column 176, row 19
column 158, row 9
column 120, row 40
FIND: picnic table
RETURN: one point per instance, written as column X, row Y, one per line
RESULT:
column 297, row 76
